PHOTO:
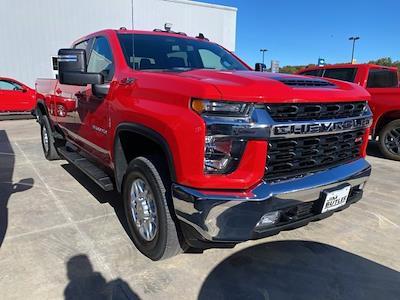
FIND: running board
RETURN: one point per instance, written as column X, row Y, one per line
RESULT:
column 87, row 167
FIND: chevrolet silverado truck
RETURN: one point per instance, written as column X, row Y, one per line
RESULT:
column 383, row 85
column 205, row 151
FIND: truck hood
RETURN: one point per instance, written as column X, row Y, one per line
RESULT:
column 275, row 87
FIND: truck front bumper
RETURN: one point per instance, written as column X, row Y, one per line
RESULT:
column 228, row 217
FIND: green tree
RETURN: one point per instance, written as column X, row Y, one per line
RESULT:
column 385, row 61
column 293, row 69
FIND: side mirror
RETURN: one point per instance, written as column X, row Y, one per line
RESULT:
column 24, row 90
column 72, row 68
column 260, row 67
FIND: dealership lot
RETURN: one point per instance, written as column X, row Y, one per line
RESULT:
column 64, row 237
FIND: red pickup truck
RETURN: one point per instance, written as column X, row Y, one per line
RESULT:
column 205, row 151
column 16, row 98
column 383, row 85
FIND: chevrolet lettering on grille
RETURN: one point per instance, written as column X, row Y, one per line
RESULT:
column 315, row 128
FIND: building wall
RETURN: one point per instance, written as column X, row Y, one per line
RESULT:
column 32, row 31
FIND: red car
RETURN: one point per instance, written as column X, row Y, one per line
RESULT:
column 383, row 85
column 15, row 97
column 205, row 151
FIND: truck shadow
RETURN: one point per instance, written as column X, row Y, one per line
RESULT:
column 113, row 198
column 85, row 283
column 7, row 186
column 299, row 270
column 373, row 149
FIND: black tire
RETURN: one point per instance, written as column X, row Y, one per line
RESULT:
column 48, row 144
column 166, row 242
column 389, row 140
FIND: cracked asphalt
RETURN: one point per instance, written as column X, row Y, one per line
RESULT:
column 62, row 237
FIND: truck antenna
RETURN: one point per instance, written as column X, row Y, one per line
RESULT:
column 133, row 36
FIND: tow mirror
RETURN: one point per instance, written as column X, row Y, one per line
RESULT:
column 260, row 67
column 72, row 68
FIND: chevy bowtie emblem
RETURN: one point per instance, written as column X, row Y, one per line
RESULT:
column 358, row 139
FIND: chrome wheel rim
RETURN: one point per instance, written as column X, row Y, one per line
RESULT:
column 45, row 137
column 392, row 141
column 61, row 111
column 143, row 208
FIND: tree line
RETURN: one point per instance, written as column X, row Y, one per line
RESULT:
column 384, row 61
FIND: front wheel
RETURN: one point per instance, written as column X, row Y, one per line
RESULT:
column 48, row 141
column 150, row 221
column 389, row 140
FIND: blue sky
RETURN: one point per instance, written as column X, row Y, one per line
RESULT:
column 299, row 31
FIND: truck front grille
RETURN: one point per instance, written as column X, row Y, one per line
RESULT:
column 314, row 111
column 300, row 156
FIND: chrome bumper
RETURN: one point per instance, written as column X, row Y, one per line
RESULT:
column 232, row 216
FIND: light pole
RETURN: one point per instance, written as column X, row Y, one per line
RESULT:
column 354, row 39
column 263, row 53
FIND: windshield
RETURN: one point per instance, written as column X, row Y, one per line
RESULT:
column 166, row 53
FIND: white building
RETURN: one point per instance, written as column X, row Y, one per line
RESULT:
column 33, row 31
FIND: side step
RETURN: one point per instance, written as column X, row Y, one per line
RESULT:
column 87, row 167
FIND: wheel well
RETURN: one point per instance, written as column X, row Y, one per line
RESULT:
column 385, row 119
column 41, row 110
column 131, row 144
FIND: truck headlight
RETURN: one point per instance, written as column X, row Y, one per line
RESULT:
column 222, row 153
column 221, row 108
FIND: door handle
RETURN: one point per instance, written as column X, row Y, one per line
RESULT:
column 127, row 81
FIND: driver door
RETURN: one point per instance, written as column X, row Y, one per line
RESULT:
column 94, row 110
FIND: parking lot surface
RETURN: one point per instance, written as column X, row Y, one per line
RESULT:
column 63, row 237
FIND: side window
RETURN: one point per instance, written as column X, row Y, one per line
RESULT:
column 101, row 59
column 381, row 78
column 9, row 86
column 82, row 45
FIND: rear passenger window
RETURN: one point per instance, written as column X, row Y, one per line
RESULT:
column 381, row 78
column 345, row 74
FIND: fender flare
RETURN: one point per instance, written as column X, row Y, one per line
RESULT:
column 40, row 103
column 120, row 163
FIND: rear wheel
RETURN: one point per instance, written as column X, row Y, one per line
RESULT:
column 389, row 140
column 48, row 141
column 145, row 195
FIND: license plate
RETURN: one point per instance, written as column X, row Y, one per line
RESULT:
column 335, row 199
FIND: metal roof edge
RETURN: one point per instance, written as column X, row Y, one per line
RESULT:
column 197, row 3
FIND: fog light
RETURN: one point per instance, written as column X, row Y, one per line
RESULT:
column 222, row 155
column 269, row 219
